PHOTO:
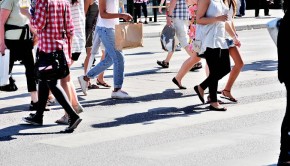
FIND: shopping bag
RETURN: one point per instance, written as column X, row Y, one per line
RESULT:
column 167, row 38
column 4, row 68
column 128, row 35
column 273, row 28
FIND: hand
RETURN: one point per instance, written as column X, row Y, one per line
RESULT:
column 2, row 48
column 222, row 18
column 237, row 42
column 160, row 9
column 169, row 21
column 25, row 12
column 126, row 16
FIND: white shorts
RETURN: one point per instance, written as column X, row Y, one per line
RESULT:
column 181, row 29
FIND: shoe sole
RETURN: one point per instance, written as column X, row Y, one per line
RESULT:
column 124, row 98
column 30, row 122
column 79, row 79
column 75, row 125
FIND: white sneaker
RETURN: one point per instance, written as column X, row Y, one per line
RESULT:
column 120, row 95
column 83, row 84
column 178, row 47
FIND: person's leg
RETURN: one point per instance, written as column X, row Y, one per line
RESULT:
column 266, row 8
column 165, row 62
column 257, row 7
column 108, row 38
column 28, row 62
column 138, row 11
column 145, row 11
column 236, row 56
column 285, row 129
column 100, row 78
column 181, row 33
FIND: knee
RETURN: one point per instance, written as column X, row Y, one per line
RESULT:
column 239, row 65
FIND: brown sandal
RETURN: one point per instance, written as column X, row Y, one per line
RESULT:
column 93, row 86
column 227, row 97
column 104, row 84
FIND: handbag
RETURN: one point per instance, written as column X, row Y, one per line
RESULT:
column 273, row 28
column 52, row 66
column 128, row 35
column 4, row 68
column 167, row 38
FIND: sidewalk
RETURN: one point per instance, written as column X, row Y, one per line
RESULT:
column 247, row 22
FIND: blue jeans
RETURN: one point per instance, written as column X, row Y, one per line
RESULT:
column 112, row 56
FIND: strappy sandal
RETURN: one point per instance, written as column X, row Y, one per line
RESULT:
column 227, row 97
column 104, row 84
column 93, row 86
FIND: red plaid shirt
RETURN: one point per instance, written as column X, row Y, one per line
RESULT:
column 49, row 22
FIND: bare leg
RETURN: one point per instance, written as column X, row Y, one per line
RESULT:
column 34, row 96
column 236, row 56
column 187, row 64
column 168, row 57
column 100, row 77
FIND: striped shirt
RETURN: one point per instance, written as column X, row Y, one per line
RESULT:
column 180, row 11
column 79, row 21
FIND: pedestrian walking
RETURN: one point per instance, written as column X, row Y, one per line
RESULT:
column 107, row 19
column 211, row 17
column 234, row 44
column 52, row 39
column 77, row 47
column 242, row 9
column 137, row 5
column 15, row 35
column 178, row 17
column 283, row 76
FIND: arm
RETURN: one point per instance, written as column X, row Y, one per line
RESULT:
column 87, row 5
column 39, row 20
column 200, row 16
column 104, row 14
column 160, row 6
column 232, row 33
column 4, row 14
column 172, row 6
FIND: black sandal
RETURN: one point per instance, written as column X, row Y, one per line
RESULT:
column 163, row 64
column 176, row 83
column 227, row 97
column 197, row 66
column 104, row 84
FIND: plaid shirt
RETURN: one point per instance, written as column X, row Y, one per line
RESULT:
column 49, row 22
column 180, row 11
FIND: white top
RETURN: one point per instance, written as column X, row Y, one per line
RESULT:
column 79, row 21
column 230, row 19
column 213, row 35
column 112, row 6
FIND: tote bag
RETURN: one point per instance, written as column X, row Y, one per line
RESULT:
column 167, row 38
column 4, row 68
column 273, row 28
column 128, row 35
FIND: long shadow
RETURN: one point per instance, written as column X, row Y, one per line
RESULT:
column 152, row 114
column 14, row 96
column 265, row 65
column 8, row 133
column 167, row 94
column 142, row 53
column 14, row 109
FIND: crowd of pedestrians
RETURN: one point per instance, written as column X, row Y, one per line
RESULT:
column 88, row 26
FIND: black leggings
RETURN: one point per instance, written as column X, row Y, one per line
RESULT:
column 285, row 128
column 21, row 50
column 218, row 62
column 58, row 93
column 138, row 9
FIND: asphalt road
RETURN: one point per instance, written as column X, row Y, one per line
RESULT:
column 162, row 125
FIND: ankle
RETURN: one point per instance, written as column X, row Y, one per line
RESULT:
column 116, row 89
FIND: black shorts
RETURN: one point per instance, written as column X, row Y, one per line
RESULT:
column 75, row 56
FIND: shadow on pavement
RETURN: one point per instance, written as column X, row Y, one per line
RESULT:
column 265, row 65
column 151, row 115
column 167, row 94
column 6, row 134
